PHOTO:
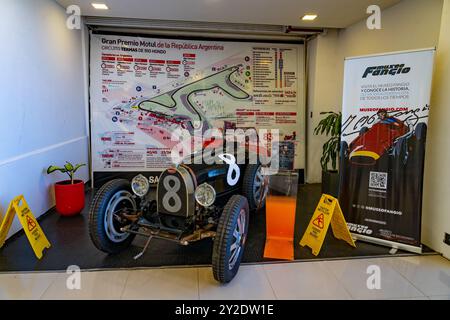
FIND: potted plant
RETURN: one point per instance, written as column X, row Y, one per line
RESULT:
column 330, row 126
column 69, row 194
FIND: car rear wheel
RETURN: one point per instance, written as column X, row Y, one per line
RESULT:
column 420, row 132
column 363, row 130
column 401, row 152
column 418, row 150
column 343, row 163
column 230, row 239
column 254, row 186
column 343, row 150
column 105, row 220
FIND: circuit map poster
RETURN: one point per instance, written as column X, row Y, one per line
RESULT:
column 141, row 89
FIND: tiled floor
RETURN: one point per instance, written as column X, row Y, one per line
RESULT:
column 426, row 277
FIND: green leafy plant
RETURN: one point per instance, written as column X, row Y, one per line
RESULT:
column 330, row 126
column 68, row 168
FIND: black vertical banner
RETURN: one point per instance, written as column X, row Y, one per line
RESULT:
column 384, row 128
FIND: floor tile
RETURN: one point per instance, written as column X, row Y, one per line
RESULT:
column 430, row 274
column 94, row 285
column 171, row 284
column 402, row 278
column 308, row 280
column 25, row 285
column 439, row 297
column 354, row 276
column 415, row 298
column 250, row 283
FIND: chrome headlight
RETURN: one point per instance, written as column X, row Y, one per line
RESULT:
column 205, row 195
column 140, row 185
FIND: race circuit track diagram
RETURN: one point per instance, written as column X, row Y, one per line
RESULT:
column 147, row 95
column 178, row 105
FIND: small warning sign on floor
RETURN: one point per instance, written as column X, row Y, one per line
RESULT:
column 33, row 231
column 328, row 212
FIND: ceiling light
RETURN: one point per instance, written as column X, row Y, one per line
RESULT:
column 309, row 17
column 100, row 6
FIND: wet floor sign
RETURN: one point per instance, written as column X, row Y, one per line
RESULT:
column 328, row 212
column 34, row 233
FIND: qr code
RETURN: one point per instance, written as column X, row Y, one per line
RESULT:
column 378, row 180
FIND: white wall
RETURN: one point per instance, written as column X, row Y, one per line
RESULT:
column 410, row 24
column 436, row 208
column 42, row 101
column 322, row 96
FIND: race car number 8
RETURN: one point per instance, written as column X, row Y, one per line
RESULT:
column 171, row 193
column 232, row 168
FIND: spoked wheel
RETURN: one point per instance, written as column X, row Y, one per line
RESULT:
column 229, row 242
column 106, row 216
column 239, row 234
column 121, row 201
column 255, row 187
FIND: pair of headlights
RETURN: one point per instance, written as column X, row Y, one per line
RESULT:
column 204, row 194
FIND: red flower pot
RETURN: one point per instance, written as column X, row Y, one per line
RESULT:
column 69, row 197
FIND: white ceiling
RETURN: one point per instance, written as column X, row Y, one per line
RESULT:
column 332, row 13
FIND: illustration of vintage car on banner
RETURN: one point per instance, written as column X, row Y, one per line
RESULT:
column 403, row 141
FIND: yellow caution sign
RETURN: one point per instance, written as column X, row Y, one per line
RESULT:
column 328, row 211
column 34, row 233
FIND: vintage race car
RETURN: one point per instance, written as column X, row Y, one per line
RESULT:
column 191, row 202
column 390, row 136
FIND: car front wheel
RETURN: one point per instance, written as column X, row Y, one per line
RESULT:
column 230, row 239
column 105, row 219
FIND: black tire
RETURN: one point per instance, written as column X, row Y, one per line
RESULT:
column 251, row 177
column 418, row 151
column 343, row 152
column 401, row 152
column 344, row 163
column 363, row 130
column 223, row 271
column 420, row 132
column 97, row 212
